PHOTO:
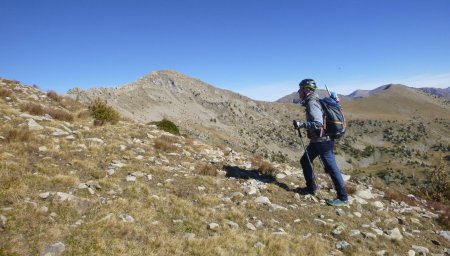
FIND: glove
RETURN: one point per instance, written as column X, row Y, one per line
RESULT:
column 298, row 125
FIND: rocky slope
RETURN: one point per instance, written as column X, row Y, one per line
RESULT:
column 71, row 188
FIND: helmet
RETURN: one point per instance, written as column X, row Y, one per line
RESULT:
column 308, row 83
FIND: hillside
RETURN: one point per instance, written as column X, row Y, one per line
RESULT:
column 68, row 187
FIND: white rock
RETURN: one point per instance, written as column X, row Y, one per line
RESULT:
column 42, row 149
column 259, row 245
column 250, row 226
column 420, row 250
column 66, row 197
column 381, row 253
column 342, row 245
column 126, row 217
column 54, row 249
column 394, row 234
column 445, row 234
column 346, row 177
column 59, row 133
column 280, row 176
column 263, row 200
column 33, row 125
column 378, row 204
column 355, row 232
column 189, row 236
column 411, row 253
column 131, row 178
column 96, row 140
column 44, row 195
column 357, row 214
column 213, row 226
column 232, row 224
column 365, row 194
column 70, row 137
column 278, row 207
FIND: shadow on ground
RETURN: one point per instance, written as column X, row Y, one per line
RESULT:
column 239, row 173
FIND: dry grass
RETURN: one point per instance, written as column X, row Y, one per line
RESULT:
column 166, row 143
column 54, row 96
column 38, row 110
column 263, row 166
column 33, row 108
column 59, row 114
column 5, row 93
column 206, row 169
column 350, row 188
column 18, row 135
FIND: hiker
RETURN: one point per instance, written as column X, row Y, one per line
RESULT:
column 320, row 145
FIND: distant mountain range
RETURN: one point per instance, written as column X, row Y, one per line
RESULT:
column 294, row 98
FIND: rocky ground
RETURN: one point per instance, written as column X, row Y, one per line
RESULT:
column 71, row 188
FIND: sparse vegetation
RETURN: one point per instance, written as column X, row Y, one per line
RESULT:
column 54, row 96
column 102, row 113
column 38, row 110
column 5, row 93
column 263, row 166
column 206, row 169
column 18, row 135
column 166, row 143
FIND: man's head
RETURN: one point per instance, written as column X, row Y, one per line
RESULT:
column 307, row 86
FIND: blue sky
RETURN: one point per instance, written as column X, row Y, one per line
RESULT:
column 259, row 48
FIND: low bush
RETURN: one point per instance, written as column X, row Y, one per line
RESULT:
column 168, row 126
column 166, row 143
column 54, row 96
column 103, row 113
column 5, row 93
column 262, row 166
column 206, row 169
column 59, row 114
column 19, row 135
column 33, row 108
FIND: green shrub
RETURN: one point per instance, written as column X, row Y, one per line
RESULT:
column 168, row 126
column 103, row 113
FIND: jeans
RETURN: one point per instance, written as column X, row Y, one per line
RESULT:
column 325, row 151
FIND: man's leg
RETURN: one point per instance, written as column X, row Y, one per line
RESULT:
column 307, row 168
column 332, row 169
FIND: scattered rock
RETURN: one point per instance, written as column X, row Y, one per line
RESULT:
column 343, row 245
column 394, row 234
column 381, row 253
column 126, row 217
column 96, row 140
column 131, row 178
column 232, row 224
column 357, row 214
column 189, row 236
column 411, row 253
column 42, row 149
column 213, row 226
column 445, row 234
column 263, row 200
column 365, row 194
column 33, row 125
column 44, row 195
column 54, row 249
column 340, row 212
column 259, row 245
column 250, row 226
column 378, row 204
column 355, row 232
column 420, row 250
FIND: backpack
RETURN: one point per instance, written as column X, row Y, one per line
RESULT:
column 334, row 120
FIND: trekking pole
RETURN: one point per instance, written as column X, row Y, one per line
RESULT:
column 307, row 156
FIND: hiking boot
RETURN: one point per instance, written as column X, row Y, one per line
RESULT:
column 336, row 202
column 305, row 191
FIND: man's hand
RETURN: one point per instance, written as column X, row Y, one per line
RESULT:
column 298, row 125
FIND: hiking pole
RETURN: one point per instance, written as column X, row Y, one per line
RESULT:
column 307, row 156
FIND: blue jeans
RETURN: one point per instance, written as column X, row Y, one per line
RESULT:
column 325, row 151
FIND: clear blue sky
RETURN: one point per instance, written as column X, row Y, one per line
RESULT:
column 259, row 48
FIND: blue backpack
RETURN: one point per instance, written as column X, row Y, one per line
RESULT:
column 334, row 120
